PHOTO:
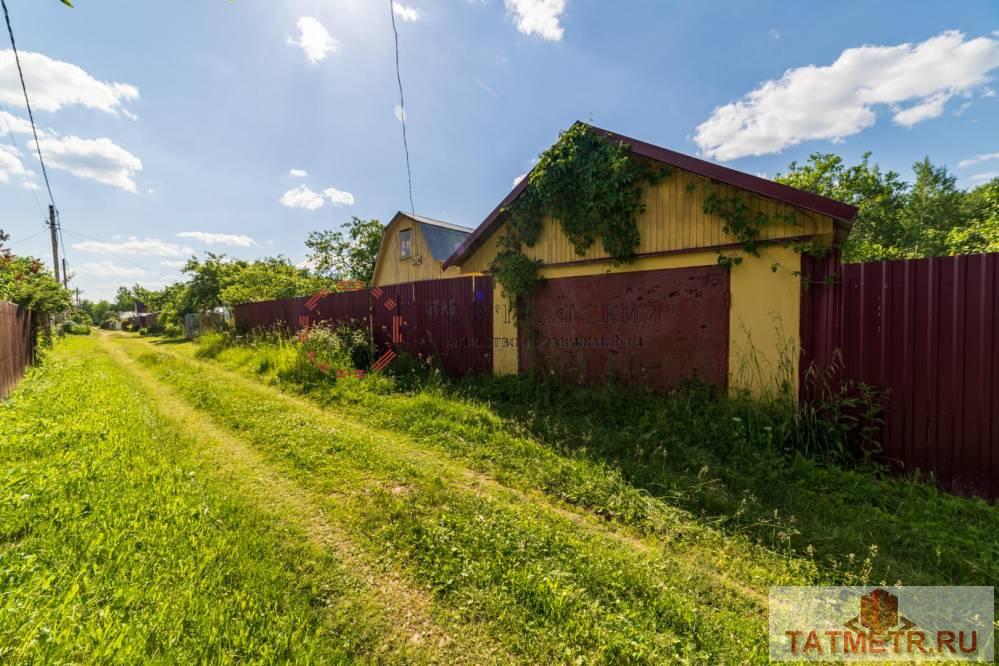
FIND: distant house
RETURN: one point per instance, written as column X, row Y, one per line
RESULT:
column 413, row 248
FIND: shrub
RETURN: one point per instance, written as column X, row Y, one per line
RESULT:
column 73, row 328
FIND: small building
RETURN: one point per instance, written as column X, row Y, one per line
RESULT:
column 414, row 248
column 693, row 303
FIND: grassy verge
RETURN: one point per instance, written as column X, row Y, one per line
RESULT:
column 120, row 543
column 638, row 458
column 551, row 586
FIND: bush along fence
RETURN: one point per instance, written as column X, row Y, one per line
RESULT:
column 16, row 345
column 447, row 322
column 924, row 331
column 920, row 333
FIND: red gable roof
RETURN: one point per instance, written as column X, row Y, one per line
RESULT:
column 837, row 210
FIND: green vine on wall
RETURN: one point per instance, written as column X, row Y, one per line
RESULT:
column 592, row 187
column 747, row 226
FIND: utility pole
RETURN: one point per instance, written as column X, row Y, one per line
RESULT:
column 55, row 243
column 65, row 274
column 78, row 297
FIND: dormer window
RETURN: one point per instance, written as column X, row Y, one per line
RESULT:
column 406, row 243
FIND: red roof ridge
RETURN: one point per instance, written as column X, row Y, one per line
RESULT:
column 837, row 210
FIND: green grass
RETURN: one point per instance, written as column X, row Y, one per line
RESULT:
column 612, row 451
column 163, row 503
column 550, row 587
column 119, row 543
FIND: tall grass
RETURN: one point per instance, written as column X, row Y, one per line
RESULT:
column 798, row 478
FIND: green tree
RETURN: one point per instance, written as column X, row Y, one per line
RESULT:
column 981, row 233
column 934, row 206
column 270, row 278
column 208, row 278
column 25, row 281
column 347, row 257
column 878, row 232
column 96, row 311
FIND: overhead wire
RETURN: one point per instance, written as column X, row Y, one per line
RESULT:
column 24, row 240
column 27, row 101
column 402, row 107
column 13, row 141
column 84, row 237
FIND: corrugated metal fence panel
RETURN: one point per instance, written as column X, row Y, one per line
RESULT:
column 447, row 322
column 455, row 322
column 288, row 312
column 924, row 330
column 16, row 345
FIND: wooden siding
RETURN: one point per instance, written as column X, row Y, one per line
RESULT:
column 674, row 220
column 393, row 269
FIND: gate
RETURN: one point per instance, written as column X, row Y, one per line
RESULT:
column 653, row 329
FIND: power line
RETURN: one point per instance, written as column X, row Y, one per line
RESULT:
column 13, row 142
column 27, row 102
column 402, row 106
column 24, row 240
column 81, row 236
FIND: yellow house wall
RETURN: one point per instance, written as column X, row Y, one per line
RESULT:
column 674, row 219
column 764, row 316
column 393, row 269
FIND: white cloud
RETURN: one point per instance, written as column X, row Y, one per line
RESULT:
column 94, row 159
column 101, row 160
column 302, row 197
column 313, row 39
column 774, row 34
column 135, row 246
column 338, row 198
column 298, row 173
column 538, row 17
column 109, row 269
column 837, row 101
column 917, row 113
column 10, row 164
column 173, row 264
column 233, row 240
column 982, row 177
column 400, row 113
column 978, row 159
column 516, row 181
column 16, row 124
column 55, row 84
column 404, row 12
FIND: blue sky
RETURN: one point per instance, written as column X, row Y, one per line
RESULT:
column 189, row 117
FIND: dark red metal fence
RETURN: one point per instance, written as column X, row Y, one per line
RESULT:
column 925, row 331
column 447, row 322
column 653, row 329
column 348, row 306
column 16, row 345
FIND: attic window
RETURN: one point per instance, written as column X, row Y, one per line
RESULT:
column 406, row 243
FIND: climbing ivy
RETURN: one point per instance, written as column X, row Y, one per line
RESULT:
column 592, row 187
column 740, row 221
